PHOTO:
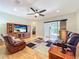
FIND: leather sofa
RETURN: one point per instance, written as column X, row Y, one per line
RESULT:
column 12, row 45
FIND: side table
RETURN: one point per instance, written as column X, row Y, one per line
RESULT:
column 55, row 53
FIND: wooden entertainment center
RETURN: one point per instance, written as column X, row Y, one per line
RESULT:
column 12, row 30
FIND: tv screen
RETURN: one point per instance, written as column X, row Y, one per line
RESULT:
column 21, row 28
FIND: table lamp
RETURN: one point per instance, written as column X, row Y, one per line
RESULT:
column 63, row 36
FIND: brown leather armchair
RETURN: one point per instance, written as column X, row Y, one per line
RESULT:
column 13, row 46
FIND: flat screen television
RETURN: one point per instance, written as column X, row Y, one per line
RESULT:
column 20, row 28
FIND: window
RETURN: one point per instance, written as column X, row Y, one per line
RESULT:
column 54, row 27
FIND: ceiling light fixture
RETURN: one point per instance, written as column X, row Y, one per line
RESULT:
column 15, row 9
column 57, row 11
column 36, row 14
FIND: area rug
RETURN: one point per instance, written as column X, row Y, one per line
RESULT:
column 39, row 41
column 31, row 45
column 49, row 43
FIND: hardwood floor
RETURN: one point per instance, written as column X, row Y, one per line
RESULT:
column 26, row 53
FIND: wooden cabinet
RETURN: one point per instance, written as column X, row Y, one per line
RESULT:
column 22, row 35
column 10, row 28
column 55, row 53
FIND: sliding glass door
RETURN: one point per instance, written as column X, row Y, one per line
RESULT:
column 51, row 30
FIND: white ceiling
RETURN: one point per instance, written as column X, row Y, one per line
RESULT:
column 22, row 8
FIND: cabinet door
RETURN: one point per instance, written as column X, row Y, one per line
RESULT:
column 10, row 28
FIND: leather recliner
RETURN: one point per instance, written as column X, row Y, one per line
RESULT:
column 12, row 45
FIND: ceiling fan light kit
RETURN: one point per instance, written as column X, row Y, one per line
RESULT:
column 37, row 12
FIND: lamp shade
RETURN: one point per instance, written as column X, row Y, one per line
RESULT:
column 63, row 35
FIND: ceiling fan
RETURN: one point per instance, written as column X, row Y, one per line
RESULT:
column 37, row 12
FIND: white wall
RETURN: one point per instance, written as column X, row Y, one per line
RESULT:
column 77, row 22
column 6, row 18
column 71, row 22
column 39, row 29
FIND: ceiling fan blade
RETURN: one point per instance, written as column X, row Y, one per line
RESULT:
column 30, row 13
column 42, row 11
column 41, row 15
column 32, row 9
